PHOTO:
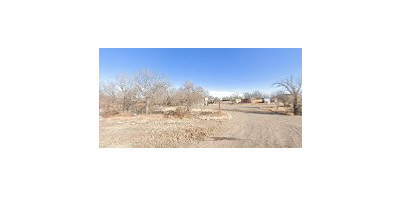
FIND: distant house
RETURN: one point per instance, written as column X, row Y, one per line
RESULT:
column 266, row 100
column 256, row 100
column 252, row 100
column 245, row 100
column 238, row 101
column 209, row 100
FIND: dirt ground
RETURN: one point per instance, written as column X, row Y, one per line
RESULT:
column 248, row 126
column 155, row 131
column 254, row 127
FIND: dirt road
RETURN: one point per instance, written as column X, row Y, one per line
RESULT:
column 251, row 127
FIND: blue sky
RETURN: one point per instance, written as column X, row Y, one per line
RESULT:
column 220, row 70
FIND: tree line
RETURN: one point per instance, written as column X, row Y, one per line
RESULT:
column 289, row 95
column 146, row 91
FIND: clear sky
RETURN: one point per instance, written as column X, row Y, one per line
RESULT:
column 222, row 71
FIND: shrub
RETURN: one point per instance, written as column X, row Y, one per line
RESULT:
column 109, row 113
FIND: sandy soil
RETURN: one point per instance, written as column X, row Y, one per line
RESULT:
column 251, row 126
column 154, row 131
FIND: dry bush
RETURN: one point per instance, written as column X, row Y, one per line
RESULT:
column 168, row 114
column 179, row 112
column 109, row 113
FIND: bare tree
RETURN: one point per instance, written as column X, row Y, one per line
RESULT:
column 127, row 92
column 151, row 87
column 294, row 89
column 235, row 96
column 134, row 92
column 172, row 97
column 108, row 93
column 282, row 96
column 190, row 95
column 247, row 95
column 265, row 95
column 256, row 94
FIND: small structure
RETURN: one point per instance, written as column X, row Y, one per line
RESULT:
column 237, row 101
column 252, row 100
column 246, row 100
column 267, row 100
column 205, row 100
column 256, row 100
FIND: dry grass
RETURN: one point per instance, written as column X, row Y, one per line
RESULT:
column 277, row 110
column 215, row 115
